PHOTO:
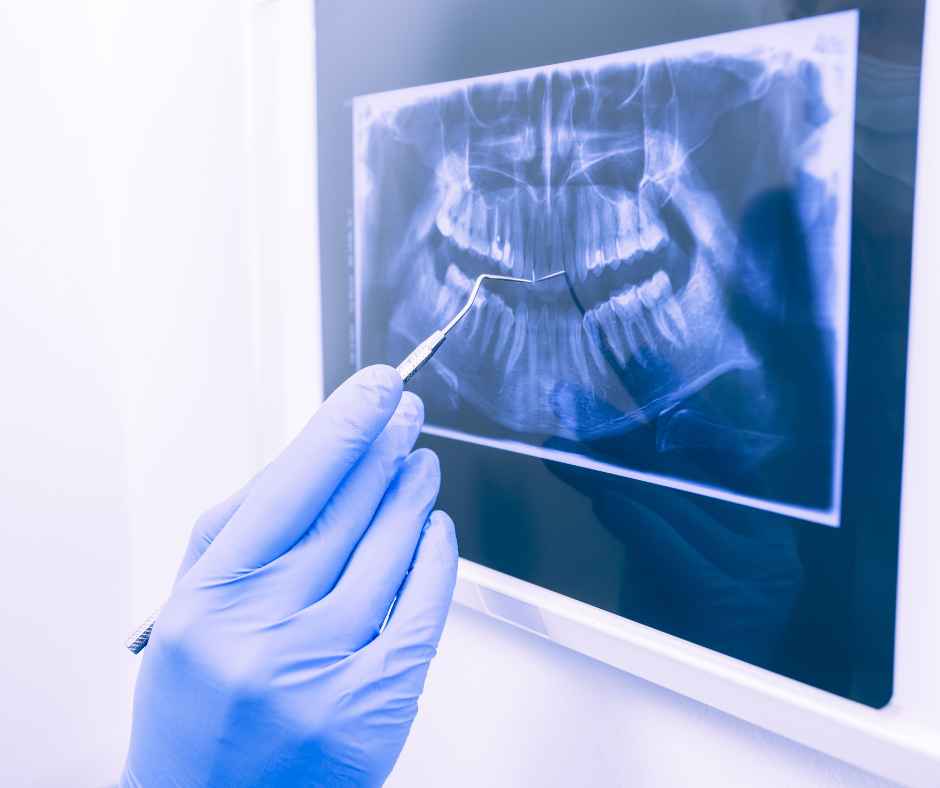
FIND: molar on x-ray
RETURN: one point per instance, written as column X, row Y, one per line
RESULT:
column 696, row 196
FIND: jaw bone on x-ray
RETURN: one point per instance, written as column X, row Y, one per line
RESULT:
column 695, row 195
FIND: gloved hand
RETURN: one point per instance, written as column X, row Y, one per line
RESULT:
column 267, row 665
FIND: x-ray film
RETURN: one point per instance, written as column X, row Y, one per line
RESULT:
column 697, row 196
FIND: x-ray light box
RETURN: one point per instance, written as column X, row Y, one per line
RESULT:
column 683, row 456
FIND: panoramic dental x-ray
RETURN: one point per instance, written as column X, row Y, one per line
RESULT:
column 695, row 195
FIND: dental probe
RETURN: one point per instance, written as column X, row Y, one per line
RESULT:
column 420, row 356
column 416, row 359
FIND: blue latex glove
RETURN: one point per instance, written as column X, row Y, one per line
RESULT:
column 267, row 665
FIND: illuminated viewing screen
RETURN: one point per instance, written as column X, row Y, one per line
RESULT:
column 696, row 196
column 697, row 424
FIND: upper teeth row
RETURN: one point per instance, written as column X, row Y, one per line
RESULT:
column 584, row 233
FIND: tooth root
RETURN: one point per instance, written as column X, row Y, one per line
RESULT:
column 647, row 294
column 592, row 341
column 569, row 224
column 576, row 345
column 608, row 324
column 629, row 312
column 444, row 307
column 610, row 252
column 643, row 327
column 496, row 251
column 623, row 248
column 629, row 332
column 652, row 238
column 445, row 221
column 519, row 248
column 649, row 231
column 556, row 320
column 596, row 243
column 627, row 241
column 504, row 331
column 506, row 233
column 520, row 326
column 659, row 320
column 533, row 246
column 609, row 231
column 491, row 320
column 581, row 231
column 557, row 252
column 476, row 317
column 545, row 350
column 462, row 222
column 496, row 242
column 479, row 229
column 673, row 311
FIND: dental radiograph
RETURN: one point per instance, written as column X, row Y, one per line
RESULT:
column 693, row 199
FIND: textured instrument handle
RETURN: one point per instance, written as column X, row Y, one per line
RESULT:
column 141, row 636
column 418, row 357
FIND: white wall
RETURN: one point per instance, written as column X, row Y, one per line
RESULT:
column 143, row 367
column 129, row 396
column 63, row 471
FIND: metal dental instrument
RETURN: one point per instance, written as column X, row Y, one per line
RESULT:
column 416, row 359
column 420, row 356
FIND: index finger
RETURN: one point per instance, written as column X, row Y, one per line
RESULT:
column 288, row 495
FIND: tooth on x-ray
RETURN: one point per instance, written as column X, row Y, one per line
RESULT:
column 632, row 174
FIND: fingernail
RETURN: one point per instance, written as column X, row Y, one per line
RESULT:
column 411, row 408
column 445, row 538
column 426, row 461
column 380, row 377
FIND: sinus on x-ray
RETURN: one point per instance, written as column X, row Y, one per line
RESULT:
column 696, row 196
